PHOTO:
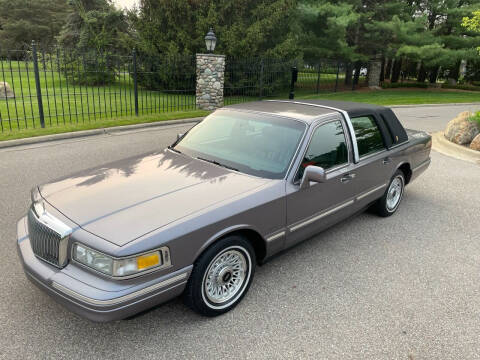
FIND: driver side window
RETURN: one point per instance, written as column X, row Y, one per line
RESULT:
column 327, row 148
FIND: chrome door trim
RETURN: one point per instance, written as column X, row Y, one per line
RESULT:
column 321, row 215
column 369, row 192
column 368, row 156
column 275, row 236
column 425, row 163
column 399, row 144
column 117, row 300
column 347, row 120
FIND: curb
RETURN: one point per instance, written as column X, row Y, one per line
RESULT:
column 430, row 105
column 86, row 133
column 442, row 145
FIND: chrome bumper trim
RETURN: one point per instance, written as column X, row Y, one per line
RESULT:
column 320, row 216
column 370, row 192
column 120, row 299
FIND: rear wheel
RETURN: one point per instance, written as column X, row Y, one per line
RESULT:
column 389, row 202
column 221, row 276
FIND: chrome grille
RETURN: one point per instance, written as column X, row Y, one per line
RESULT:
column 46, row 243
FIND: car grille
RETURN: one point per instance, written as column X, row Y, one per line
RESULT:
column 46, row 243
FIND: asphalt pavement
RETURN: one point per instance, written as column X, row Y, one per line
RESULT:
column 404, row 287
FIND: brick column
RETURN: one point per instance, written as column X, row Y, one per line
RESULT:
column 210, row 80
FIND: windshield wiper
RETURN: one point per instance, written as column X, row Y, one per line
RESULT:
column 217, row 163
column 173, row 149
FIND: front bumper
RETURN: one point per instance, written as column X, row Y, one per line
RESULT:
column 95, row 297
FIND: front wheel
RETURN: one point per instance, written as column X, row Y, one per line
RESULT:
column 221, row 276
column 389, row 202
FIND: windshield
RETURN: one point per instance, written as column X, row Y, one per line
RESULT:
column 254, row 144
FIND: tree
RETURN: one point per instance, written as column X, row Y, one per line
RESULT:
column 244, row 28
column 22, row 21
column 448, row 44
column 472, row 24
column 94, row 26
column 323, row 29
column 93, row 42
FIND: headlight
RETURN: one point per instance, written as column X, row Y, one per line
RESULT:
column 120, row 267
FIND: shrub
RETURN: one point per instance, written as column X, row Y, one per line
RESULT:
column 476, row 118
column 90, row 70
column 166, row 73
column 404, row 85
column 461, row 87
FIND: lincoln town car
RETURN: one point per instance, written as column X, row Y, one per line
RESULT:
column 195, row 219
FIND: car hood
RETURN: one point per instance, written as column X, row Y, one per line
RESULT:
column 124, row 200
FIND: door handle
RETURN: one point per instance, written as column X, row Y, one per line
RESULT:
column 386, row 161
column 347, row 178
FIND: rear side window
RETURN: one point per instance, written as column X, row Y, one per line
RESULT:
column 369, row 138
column 327, row 148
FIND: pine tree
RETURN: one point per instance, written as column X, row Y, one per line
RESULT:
column 22, row 21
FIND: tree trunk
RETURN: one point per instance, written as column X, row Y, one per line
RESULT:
column 348, row 74
column 382, row 70
column 388, row 70
column 358, row 67
column 433, row 75
column 397, row 66
column 422, row 74
column 454, row 73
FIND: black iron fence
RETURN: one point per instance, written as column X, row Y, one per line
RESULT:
column 44, row 88
column 56, row 88
column 330, row 76
column 253, row 79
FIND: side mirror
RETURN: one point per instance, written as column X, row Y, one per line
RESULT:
column 179, row 136
column 312, row 173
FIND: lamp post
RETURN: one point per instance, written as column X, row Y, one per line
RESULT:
column 210, row 40
column 210, row 70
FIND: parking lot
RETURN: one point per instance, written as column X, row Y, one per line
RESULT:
column 404, row 287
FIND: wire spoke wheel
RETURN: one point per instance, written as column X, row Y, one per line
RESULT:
column 394, row 193
column 225, row 276
column 221, row 276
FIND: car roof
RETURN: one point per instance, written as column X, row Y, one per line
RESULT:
column 284, row 108
column 306, row 110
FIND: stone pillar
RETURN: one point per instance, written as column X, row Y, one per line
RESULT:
column 210, row 80
column 374, row 71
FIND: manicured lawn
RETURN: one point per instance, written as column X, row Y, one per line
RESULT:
column 103, row 123
column 400, row 96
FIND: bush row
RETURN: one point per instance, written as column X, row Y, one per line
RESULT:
column 404, row 85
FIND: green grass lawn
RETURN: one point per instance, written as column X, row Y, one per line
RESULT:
column 102, row 123
column 399, row 96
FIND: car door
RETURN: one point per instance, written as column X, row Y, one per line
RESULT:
column 311, row 209
column 375, row 167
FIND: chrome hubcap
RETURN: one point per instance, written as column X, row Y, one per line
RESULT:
column 394, row 193
column 225, row 276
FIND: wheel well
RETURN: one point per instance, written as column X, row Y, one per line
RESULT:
column 407, row 171
column 255, row 239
